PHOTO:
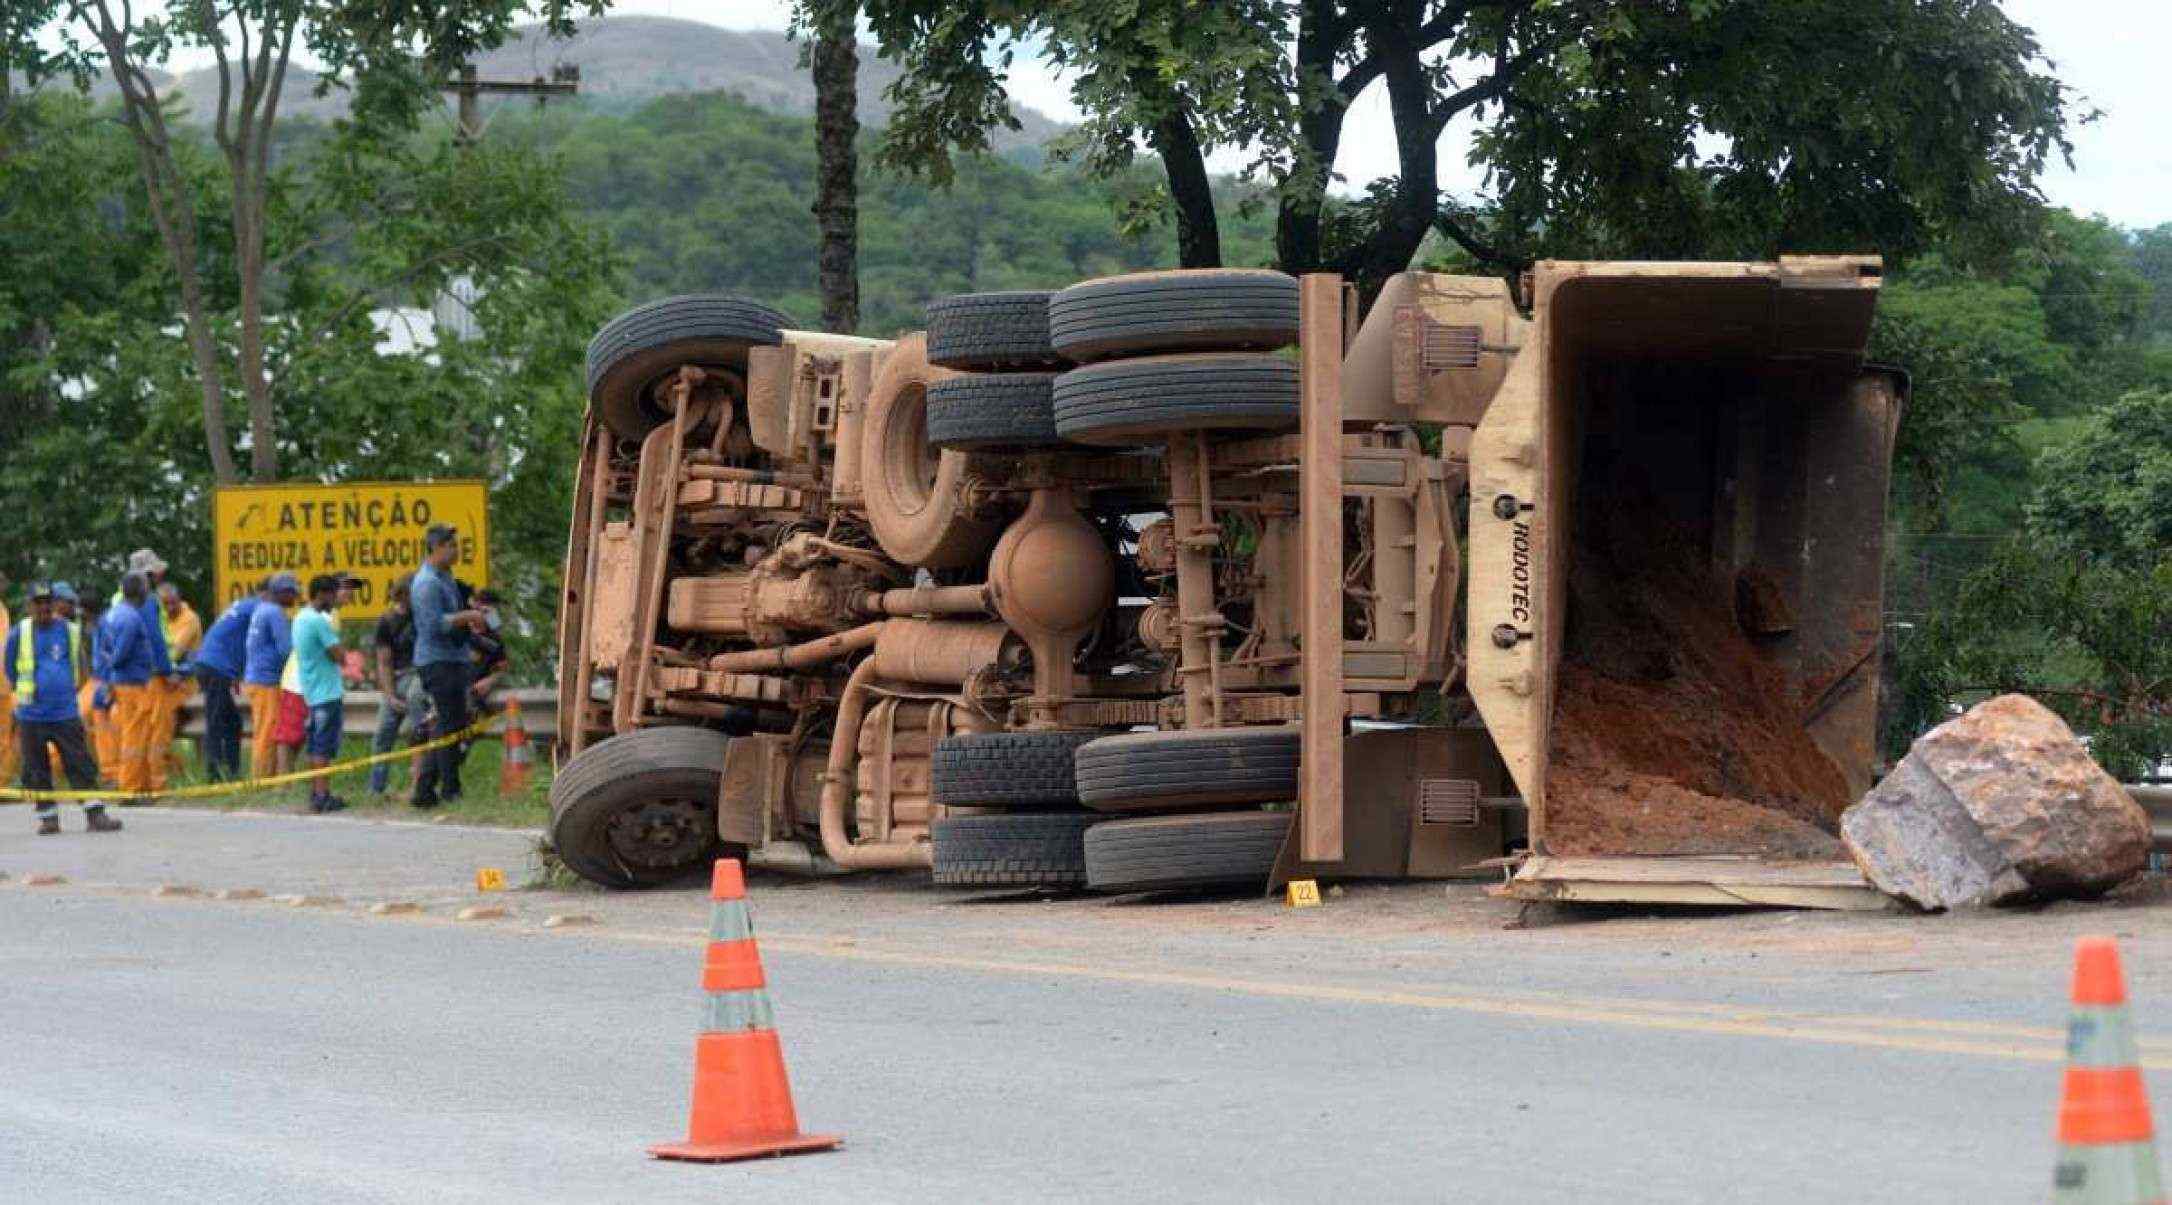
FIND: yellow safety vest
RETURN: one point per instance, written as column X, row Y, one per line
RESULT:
column 26, row 657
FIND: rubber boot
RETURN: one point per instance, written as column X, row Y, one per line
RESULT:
column 49, row 823
column 95, row 820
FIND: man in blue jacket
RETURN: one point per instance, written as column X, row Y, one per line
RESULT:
column 264, row 660
column 218, row 670
column 44, row 671
column 129, row 656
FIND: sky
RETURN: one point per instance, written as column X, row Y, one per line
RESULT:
column 2110, row 51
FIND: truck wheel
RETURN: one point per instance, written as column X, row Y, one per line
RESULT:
column 1140, row 401
column 648, row 342
column 1034, row 849
column 984, row 331
column 1021, row 770
column 1168, row 853
column 1207, row 309
column 639, row 809
column 915, row 494
column 1184, row 771
column 993, row 411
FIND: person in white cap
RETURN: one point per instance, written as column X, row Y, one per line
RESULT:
column 137, row 711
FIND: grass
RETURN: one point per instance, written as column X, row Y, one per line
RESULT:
column 481, row 803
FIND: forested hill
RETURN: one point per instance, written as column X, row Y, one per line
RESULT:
column 625, row 62
column 710, row 192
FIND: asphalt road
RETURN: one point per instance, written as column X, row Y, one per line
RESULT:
column 191, row 1049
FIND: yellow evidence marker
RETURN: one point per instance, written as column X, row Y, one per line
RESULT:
column 489, row 878
column 1303, row 893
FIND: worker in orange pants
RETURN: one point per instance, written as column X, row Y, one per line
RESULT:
column 130, row 661
column 264, row 659
column 95, row 702
column 184, row 633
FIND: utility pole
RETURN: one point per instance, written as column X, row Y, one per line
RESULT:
column 452, row 312
column 565, row 80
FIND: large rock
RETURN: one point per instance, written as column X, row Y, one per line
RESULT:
column 1999, row 806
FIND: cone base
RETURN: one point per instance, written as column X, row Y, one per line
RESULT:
column 726, row 1152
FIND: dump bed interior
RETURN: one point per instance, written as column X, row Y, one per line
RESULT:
column 1677, row 518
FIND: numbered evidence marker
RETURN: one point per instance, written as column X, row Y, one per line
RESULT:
column 1303, row 893
column 489, row 878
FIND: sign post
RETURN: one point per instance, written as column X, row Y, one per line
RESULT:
column 371, row 530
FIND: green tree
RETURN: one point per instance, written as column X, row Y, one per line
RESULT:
column 99, row 445
column 2078, row 609
column 392, row 56
column 1681, row 128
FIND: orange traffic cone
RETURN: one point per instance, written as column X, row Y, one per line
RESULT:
column 519, row 761
column 742, row 1097
column 2107, row 1146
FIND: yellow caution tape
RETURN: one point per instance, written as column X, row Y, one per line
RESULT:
column 212, row 790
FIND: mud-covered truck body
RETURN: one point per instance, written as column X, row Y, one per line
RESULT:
column 1190, row 578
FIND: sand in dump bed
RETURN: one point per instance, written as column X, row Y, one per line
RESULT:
column 1672, row 733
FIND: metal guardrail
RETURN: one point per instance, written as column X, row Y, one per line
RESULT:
column 2157, row 801
column 538, row 710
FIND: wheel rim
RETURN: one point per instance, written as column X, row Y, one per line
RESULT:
column 657, row 834
column 911, row 465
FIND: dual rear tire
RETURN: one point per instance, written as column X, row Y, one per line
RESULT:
column 1161, row 352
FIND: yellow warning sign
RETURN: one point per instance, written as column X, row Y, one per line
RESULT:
column 1304, row 893
column 370, row 529
column 489, row 878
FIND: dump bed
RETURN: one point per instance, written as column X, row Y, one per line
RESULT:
column 1676, row 527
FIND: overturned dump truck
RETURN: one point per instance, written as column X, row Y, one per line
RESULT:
column 1193, row 578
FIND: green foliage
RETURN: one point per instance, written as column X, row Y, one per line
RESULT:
column 1682, row 129
column 1738, row 130
column 2001, row 355
column 101, row 449
column 2089, row 637
column 2107, row 492
column 2078, row 609
column 710, row 193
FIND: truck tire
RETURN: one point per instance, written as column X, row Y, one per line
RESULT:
column 1014, row 770
column 1205, row 309
column 1141, row 401
column 994, row 411
column 1170, row 853
column 639, row 809
column 915, row 494
column 637, row 348
column 1032, row 849
column 1185, row 771
column 983, row 331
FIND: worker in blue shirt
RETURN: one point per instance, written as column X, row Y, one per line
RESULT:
column 129, row 655
column 139, row 712
column 443, row 625
column 218, row 670
column 44, row 669
column 264, row 660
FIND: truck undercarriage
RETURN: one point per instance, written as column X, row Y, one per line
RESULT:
column 1189, row 578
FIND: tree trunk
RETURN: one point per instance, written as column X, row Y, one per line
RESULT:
column 1304, row 192
column 836, row 67
column 1417, row 188
column 1199, row 234
column 249, row 261
column 176, row 222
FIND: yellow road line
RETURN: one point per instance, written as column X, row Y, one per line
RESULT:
column 1918, row 1036
column 1914, row 1035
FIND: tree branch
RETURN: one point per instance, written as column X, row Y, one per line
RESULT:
column 1478, row 250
